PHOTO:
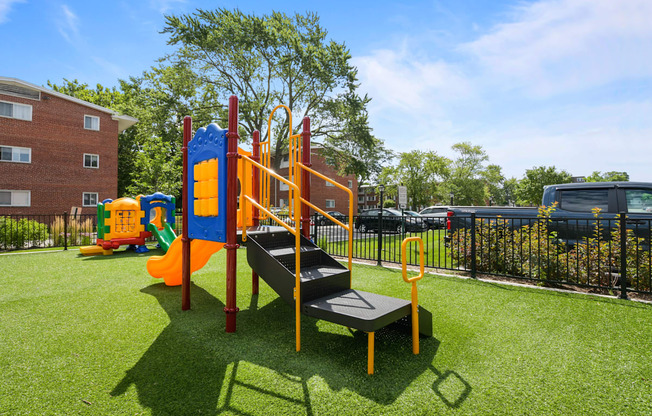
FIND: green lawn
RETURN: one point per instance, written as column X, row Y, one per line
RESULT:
column 98, row 336
column 366, row 247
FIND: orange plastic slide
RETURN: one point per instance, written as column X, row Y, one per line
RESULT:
column 169, row 266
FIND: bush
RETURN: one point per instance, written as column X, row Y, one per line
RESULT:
column 79, row 232
column 18, row 233
column 533, row 251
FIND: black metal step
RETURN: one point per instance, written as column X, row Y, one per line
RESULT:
column 272, row 256
column 357, row 309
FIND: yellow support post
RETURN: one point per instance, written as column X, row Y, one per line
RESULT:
column 370, row 352
column 415, row 295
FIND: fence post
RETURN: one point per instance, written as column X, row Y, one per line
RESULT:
column 65, row 231
column 315, row 236
column 380, row 238
column 473, row 265
column 623, row 256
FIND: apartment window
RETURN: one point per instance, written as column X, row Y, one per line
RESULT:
column 329, row 184
column 282, row 186
column 15, row 154
column 330, row 203
column 285, row 162
column 91, row 161
column 15, row 198
column 371, row 197
column 361, row 200
column 351, row 184
column 91, row 123
column 89, row 199
column 17, row 111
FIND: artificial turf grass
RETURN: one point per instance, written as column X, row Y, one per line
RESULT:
column 97, row 335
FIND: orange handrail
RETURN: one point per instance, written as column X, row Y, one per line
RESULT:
column 413, row 280
column 349, row 228
column 296, row 233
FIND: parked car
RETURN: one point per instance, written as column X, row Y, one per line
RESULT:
column 322, row 220
column 437, row 214
column 392, row 221
column 431, row 223
column 572, row 218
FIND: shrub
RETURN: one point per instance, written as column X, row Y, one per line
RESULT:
column 79, row 232
column 18, row 233
column 535, row 252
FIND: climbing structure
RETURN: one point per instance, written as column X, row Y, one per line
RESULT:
column 303, row 275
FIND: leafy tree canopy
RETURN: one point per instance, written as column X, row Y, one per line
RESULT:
column 278, row 59
column 612, row 176
column 530, row 188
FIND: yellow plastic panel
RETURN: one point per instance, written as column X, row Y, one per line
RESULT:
column 197, row 172
column 212, row 207
column 211, row 169
column 198, row 211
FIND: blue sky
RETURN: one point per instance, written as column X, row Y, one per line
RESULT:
column 551, row 82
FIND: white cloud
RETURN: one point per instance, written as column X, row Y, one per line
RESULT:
column 68, row 24
column 397, row 79
column 558, row 82
column 557, row 46
column 5, row 8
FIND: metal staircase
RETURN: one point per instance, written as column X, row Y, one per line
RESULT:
column 325, row 286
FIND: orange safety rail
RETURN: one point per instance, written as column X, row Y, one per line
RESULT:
column 349, row 227
column 296, row 232
column 293, row 156
column 413, row 280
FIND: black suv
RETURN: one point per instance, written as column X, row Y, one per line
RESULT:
column 392, row 221
column 322, row 220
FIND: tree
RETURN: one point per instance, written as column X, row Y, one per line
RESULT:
column 276, row 59
column 510, row 189
column 420, row 172
column 159, row 168
column 467, row 175
column 612, row 176
column 494, row 184
column 530, row 188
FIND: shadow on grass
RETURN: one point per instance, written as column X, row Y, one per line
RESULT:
column 121, row 254
column 194, row 367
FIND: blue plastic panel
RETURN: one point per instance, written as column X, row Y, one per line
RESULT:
column 158, row 199
column 209, row 143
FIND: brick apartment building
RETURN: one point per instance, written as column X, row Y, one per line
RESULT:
column 323, row 194
column 56, row 151
column 367, row 198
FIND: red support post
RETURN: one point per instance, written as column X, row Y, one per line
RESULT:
column 255, row 184
column 231, row 214
column 185, row 241
column 305, row 178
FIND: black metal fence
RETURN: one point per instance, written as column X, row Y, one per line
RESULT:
column 606, row 253
column 21, row 232
column 18, row 232
column 583, row 252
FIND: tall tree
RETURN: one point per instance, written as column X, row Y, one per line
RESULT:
column 530, row 188
column 466, row 179
column 420, row 172
column 612, row 176
column 278, row 59
column 494, row 184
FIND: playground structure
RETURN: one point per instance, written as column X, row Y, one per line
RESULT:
column 129, row 221
column 303, row 275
